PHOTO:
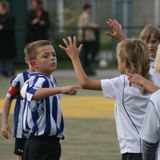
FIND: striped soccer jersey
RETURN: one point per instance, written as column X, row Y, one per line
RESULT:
column 41, row 117
column 14, row 92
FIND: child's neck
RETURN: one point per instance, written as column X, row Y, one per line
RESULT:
column 46, row 74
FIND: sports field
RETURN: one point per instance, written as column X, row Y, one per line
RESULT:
column 89, row 123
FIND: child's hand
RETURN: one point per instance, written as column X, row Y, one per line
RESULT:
column 71, row 47
column 69, row 90
column 6, row 131
column 117, row 32
column 136, row 79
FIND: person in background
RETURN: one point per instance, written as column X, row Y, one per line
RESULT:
column 88, row 35
column 150, row 35
column 37, row 22
column 7, row 40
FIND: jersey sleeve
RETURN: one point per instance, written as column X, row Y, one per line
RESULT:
column 14, row 88
column 111, row 87
column 151, row 125
column 30, row 87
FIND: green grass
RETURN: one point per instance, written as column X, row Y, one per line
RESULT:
column 86, row 139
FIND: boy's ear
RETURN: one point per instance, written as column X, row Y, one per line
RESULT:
column 32, row 63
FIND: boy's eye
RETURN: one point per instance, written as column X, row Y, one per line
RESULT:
column 154, row 41
column 45, row 56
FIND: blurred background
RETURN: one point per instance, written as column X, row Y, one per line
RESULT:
column 63, row 15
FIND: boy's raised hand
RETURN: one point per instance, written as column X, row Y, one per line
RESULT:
column 71, row 47
column 117, row 32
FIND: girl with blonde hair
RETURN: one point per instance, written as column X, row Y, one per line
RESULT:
column 130, row 102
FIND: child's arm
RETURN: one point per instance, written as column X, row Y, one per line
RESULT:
column 139, row 80
column 149, row 150
column 41, row 93
column 73, row 52
column 5, row 113
column 117, row 32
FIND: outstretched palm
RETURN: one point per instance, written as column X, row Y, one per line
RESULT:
column 117, row 32
column 71, row 47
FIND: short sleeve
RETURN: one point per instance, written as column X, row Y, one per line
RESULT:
column 14, row 88
column 112, row 87
column 150, row 128
column 30, row 87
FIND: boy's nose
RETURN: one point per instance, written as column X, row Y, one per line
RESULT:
column 150, row 45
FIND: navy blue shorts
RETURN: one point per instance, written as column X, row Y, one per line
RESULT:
column 132, row 156
column 42, row 147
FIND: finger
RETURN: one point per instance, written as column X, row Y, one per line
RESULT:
column 66, row 43
column 5, row 134
column 62, row 47
column 120, row 26
column 111, row 34
column 117, row 24
column 114, row 26
column 74, row 40
column 116, row 21
column 73, row 92
column 80, row 47
column 77, row 87
column 109, row 21
column 70, row 40
column 70, row 92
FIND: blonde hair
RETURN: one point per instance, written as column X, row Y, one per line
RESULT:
column 148, row 31
column 31, row 49
column 134, row 53
column 157, row 64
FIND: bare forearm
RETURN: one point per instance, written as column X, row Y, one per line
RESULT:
column 149, row 86
column 121, row 37
column 45, row 92
column 80, row 74
column 83, row 79
column 42, row 93
column 6, row 110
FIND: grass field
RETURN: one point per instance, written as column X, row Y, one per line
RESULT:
column 89, row 126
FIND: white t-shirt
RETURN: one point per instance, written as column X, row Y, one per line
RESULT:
column 155, row 76
column 130, row 108
column 151, row 126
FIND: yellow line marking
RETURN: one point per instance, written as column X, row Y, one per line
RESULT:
column 83, row 107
